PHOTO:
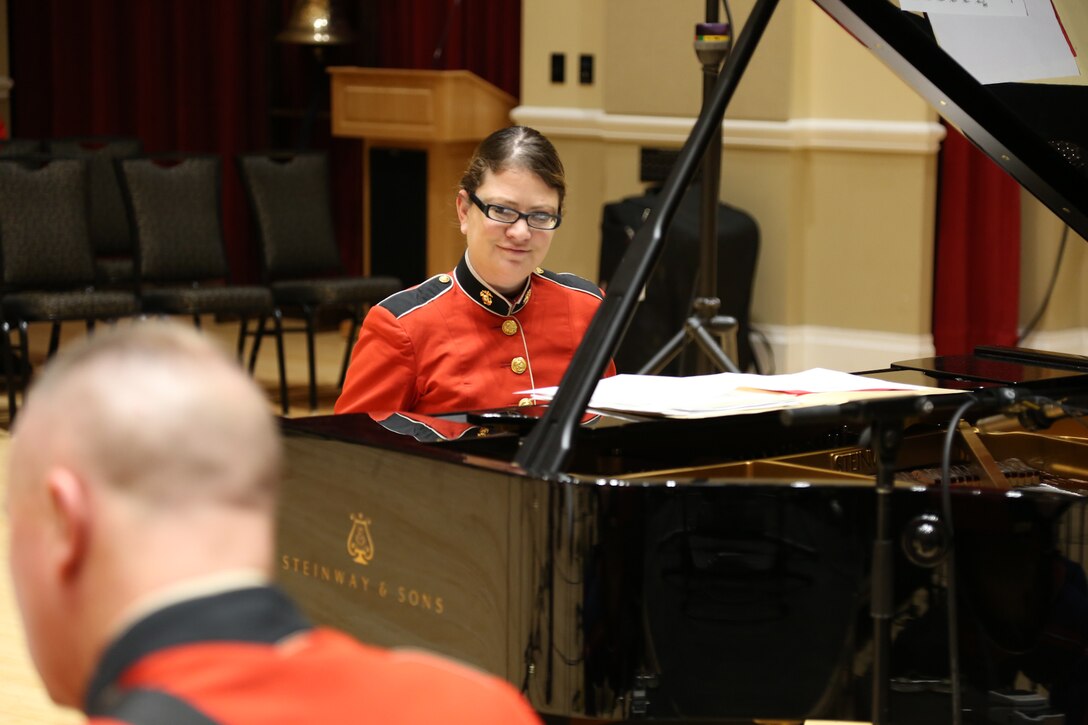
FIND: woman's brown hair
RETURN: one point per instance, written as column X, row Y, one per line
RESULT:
column 516, row 147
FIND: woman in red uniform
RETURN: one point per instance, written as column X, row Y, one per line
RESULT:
column 498, row 323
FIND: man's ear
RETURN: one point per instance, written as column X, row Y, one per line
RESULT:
column 70, row 505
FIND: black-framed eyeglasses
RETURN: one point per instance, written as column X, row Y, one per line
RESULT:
column 536, row 219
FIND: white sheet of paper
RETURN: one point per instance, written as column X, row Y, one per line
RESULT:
column 723, row 393
column 992, row 8
column 1006, row 49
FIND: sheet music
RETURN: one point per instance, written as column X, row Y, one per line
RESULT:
column 703, row 396
column 1001, row 49
column 993, row 8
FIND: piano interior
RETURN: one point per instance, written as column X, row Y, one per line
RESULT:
column 731, row 569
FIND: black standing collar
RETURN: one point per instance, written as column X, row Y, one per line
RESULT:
column 254, row 614
column 479, row 292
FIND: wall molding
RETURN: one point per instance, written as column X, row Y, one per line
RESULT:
column 802, row 347
column 833, row 134
column 808, row 346
column 1073, row 341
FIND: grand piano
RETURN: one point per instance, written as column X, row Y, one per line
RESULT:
column 907, row 560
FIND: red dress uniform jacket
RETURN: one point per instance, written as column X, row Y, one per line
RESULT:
column 248, row 656
column 452, row 344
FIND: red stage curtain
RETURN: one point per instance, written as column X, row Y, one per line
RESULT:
column 977, row 279
column 483, row 36
column 181, row 75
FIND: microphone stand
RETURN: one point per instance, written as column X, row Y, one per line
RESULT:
column 712, row 45
column 548, row 447
column 884, row 420
column 887, row 436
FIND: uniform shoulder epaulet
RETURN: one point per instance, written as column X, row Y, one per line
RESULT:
column 405, row 301
column 572, row 281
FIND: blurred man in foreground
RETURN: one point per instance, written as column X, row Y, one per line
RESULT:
column 141, row 499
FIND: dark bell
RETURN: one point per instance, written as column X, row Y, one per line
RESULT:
column 925, row 540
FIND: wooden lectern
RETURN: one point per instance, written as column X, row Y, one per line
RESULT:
column 445, row 113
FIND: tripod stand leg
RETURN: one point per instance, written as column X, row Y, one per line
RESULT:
column 693, row 330
column 709, row 346
column 665, row 355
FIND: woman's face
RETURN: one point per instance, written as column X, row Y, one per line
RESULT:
column 504, row 255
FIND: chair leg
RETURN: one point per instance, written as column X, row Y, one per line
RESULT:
column 257, row 337
column 243, row 332
column 24, row 351
column 311, row 323
column 54, row 338
column 9, row 370
column 196, row 321
column 277, row 322
column 356, row 315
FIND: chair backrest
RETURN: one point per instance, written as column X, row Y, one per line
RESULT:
column 289, row 196
column 110, row 233
column 44, row 233
column 173, row 203
column 19, row 147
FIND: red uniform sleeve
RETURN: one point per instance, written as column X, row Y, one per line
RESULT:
column 463, row 694
column 382, row 373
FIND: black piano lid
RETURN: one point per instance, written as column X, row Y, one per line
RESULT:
column 1037, row 132
column 1020, row 126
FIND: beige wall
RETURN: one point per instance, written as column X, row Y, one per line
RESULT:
column 839, row 78
column 846, row 229
column 561, row 26
column 1062, row 324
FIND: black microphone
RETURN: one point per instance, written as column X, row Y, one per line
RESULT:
column 999, row 398
column 1018, row 408
column 440, row 49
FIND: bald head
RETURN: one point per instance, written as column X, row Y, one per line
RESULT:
column 144, row 462
column 157, row 412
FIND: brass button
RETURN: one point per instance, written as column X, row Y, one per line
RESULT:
column 525, row 401
column 518, row 365
column 444, row 278
column 509, row 327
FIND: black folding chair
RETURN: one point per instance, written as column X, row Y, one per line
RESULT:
column 111, row 237
column 47, row 262
column 173, row 203
column 289, row 197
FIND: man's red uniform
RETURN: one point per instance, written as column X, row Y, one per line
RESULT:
column 452, row 344
column 249, row 656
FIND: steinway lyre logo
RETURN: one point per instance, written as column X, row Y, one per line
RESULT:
column 360, row 545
